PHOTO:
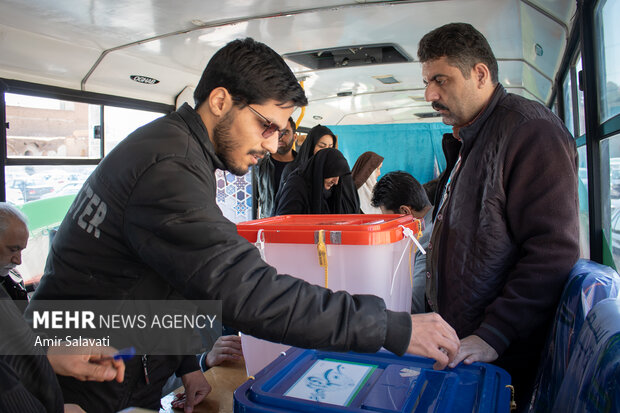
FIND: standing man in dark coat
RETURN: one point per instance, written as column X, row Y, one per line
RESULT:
column 146, row 226
column 506, row 229
column 267, row 173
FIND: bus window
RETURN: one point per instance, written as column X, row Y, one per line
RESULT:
column 611, row 206
column 43, row 130
column 584, row 220
column 567, row 89
column 51, row 128
column 120, row 122
column 608, row 13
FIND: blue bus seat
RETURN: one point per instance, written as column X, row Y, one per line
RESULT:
column 592, row 379
column 587, row 284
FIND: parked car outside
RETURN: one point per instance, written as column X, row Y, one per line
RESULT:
column 32, row 189
column 71, row 188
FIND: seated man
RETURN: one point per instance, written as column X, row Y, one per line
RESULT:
column 400, row 193
column 27, row 379
column 13, row 239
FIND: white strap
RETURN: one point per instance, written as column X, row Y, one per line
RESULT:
column 260, row 243
column 407, row 232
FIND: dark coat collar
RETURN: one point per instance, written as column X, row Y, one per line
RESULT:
column 469, row 133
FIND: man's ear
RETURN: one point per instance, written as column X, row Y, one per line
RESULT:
column 405, row 209
column 219, row 101
column 482, row 73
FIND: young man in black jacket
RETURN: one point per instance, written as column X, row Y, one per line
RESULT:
column 146, row 226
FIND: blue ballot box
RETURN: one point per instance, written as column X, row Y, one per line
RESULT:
column 312, row 380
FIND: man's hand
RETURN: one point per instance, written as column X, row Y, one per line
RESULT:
column 473, row 348
column 196, row 389
column 86, row 363
column 225, row 348
column 432, row 337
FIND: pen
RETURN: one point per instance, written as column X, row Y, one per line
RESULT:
column 125, row 353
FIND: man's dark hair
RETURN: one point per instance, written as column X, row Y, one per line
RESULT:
column 399, row 188
column 252, row 73
column 293, row 125
column 462, row 45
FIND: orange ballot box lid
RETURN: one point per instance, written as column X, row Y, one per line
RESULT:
column 351, row 229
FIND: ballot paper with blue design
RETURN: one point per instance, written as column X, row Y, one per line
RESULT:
column 331, row 381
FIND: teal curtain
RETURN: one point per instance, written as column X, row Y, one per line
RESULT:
column 415, row 148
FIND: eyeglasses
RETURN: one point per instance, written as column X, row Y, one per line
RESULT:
column 270, row 127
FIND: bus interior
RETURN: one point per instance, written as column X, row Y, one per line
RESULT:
column 77, row 77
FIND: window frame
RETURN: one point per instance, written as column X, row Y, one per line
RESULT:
column 53, row 92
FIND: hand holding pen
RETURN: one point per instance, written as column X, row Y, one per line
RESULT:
column 92, row 363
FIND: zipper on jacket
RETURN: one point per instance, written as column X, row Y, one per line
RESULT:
column 145, row 368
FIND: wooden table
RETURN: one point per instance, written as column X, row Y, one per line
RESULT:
column 224, row 380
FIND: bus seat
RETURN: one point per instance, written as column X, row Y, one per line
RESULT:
column 592, row 379
column 587, row 284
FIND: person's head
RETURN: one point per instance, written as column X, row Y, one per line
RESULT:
column 318, row 138
column 324, row 142
column 400, row 193
column 459, row 70
column 328, row 183
column 368, row 164
column 287, row 139
column 13, row 237
column 331, row 165
column 245, row 97
column 323, row 173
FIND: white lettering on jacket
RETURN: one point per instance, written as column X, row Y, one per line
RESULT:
column 89, row 210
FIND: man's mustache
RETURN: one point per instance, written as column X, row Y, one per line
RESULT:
column 438, row 106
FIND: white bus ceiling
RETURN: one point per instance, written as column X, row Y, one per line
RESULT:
column 96, row 46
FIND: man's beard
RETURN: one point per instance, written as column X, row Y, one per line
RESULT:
column 225, row 146
column 286, row 149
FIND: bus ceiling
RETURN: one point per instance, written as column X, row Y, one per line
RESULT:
column 152, row 51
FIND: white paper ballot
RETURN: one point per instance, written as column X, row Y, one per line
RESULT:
column 331, row 381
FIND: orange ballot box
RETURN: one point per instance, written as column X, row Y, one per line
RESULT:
column 360, row 254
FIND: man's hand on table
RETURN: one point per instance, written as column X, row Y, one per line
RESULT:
column 196, row 389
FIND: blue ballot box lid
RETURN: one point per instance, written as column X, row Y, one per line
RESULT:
column 313, row 380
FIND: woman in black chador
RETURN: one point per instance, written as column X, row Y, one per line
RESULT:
column 315, row 187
